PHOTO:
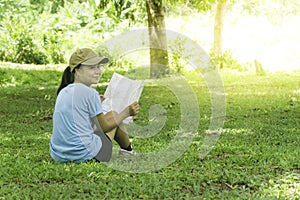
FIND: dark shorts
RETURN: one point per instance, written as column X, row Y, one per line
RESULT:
column 105, row 152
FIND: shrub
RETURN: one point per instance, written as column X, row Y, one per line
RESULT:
column 226, row 61
column 42, row 32
column 24, row 40
column 18, row 42
column 26, row 51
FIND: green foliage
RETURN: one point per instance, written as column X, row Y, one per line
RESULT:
column 7, row 7
column 203, row 5
column 18, row 42
column 256, row 157
column 27, row 37
column 38, row 5
column 21, row 44
column 200, row 6
column 121, row 10
column 41, row 31
column 48, row 29
column 227, row 61
column 177, row 61
column 267, row 8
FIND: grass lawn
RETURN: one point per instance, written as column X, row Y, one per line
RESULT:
column 256, row 156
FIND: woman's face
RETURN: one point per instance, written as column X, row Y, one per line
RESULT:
column 88, row 74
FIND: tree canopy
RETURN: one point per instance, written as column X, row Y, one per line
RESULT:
column 43, row 31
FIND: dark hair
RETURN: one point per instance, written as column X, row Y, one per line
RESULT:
column 67, row 78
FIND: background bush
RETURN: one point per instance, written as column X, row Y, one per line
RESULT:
column 227, row 61
column 21, row 42
column 42, row 32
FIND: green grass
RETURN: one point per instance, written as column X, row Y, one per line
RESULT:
column 256, row 156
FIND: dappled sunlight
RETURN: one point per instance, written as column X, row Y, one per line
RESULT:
column 191, row 142
column 297, row 92
column 238, row 131
column 9, row 83
column 250, row 92
column 58, row 67
column 286, row 186
column 4, row 138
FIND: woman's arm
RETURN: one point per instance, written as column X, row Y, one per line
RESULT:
column 112, row 119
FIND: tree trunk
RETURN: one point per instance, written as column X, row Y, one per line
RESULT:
column 218, row 29
column 158, row 40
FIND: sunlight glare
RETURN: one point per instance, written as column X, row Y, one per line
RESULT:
column 247, row 38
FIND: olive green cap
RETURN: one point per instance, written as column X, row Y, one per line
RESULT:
column 85, row 56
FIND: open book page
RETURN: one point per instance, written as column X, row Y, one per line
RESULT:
column 121, row 92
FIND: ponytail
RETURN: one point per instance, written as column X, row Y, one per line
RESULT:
column 67, row 78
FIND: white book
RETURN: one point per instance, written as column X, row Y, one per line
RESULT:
column 120, row 93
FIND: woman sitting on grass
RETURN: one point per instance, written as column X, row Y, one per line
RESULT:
column 81, row 130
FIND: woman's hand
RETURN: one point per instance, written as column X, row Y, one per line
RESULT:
column 133, row 108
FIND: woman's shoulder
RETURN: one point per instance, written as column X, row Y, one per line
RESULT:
column 79, row 87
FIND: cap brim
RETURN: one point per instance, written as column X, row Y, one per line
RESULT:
column 96, row 60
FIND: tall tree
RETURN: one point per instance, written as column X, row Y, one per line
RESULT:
column 218, row 28
column 207, row 5
column 158, row 41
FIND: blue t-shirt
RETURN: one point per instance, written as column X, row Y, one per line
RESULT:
column 73, row 137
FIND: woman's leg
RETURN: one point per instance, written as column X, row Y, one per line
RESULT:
column 111, row 134
column 122, row 138
column 119, row 134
